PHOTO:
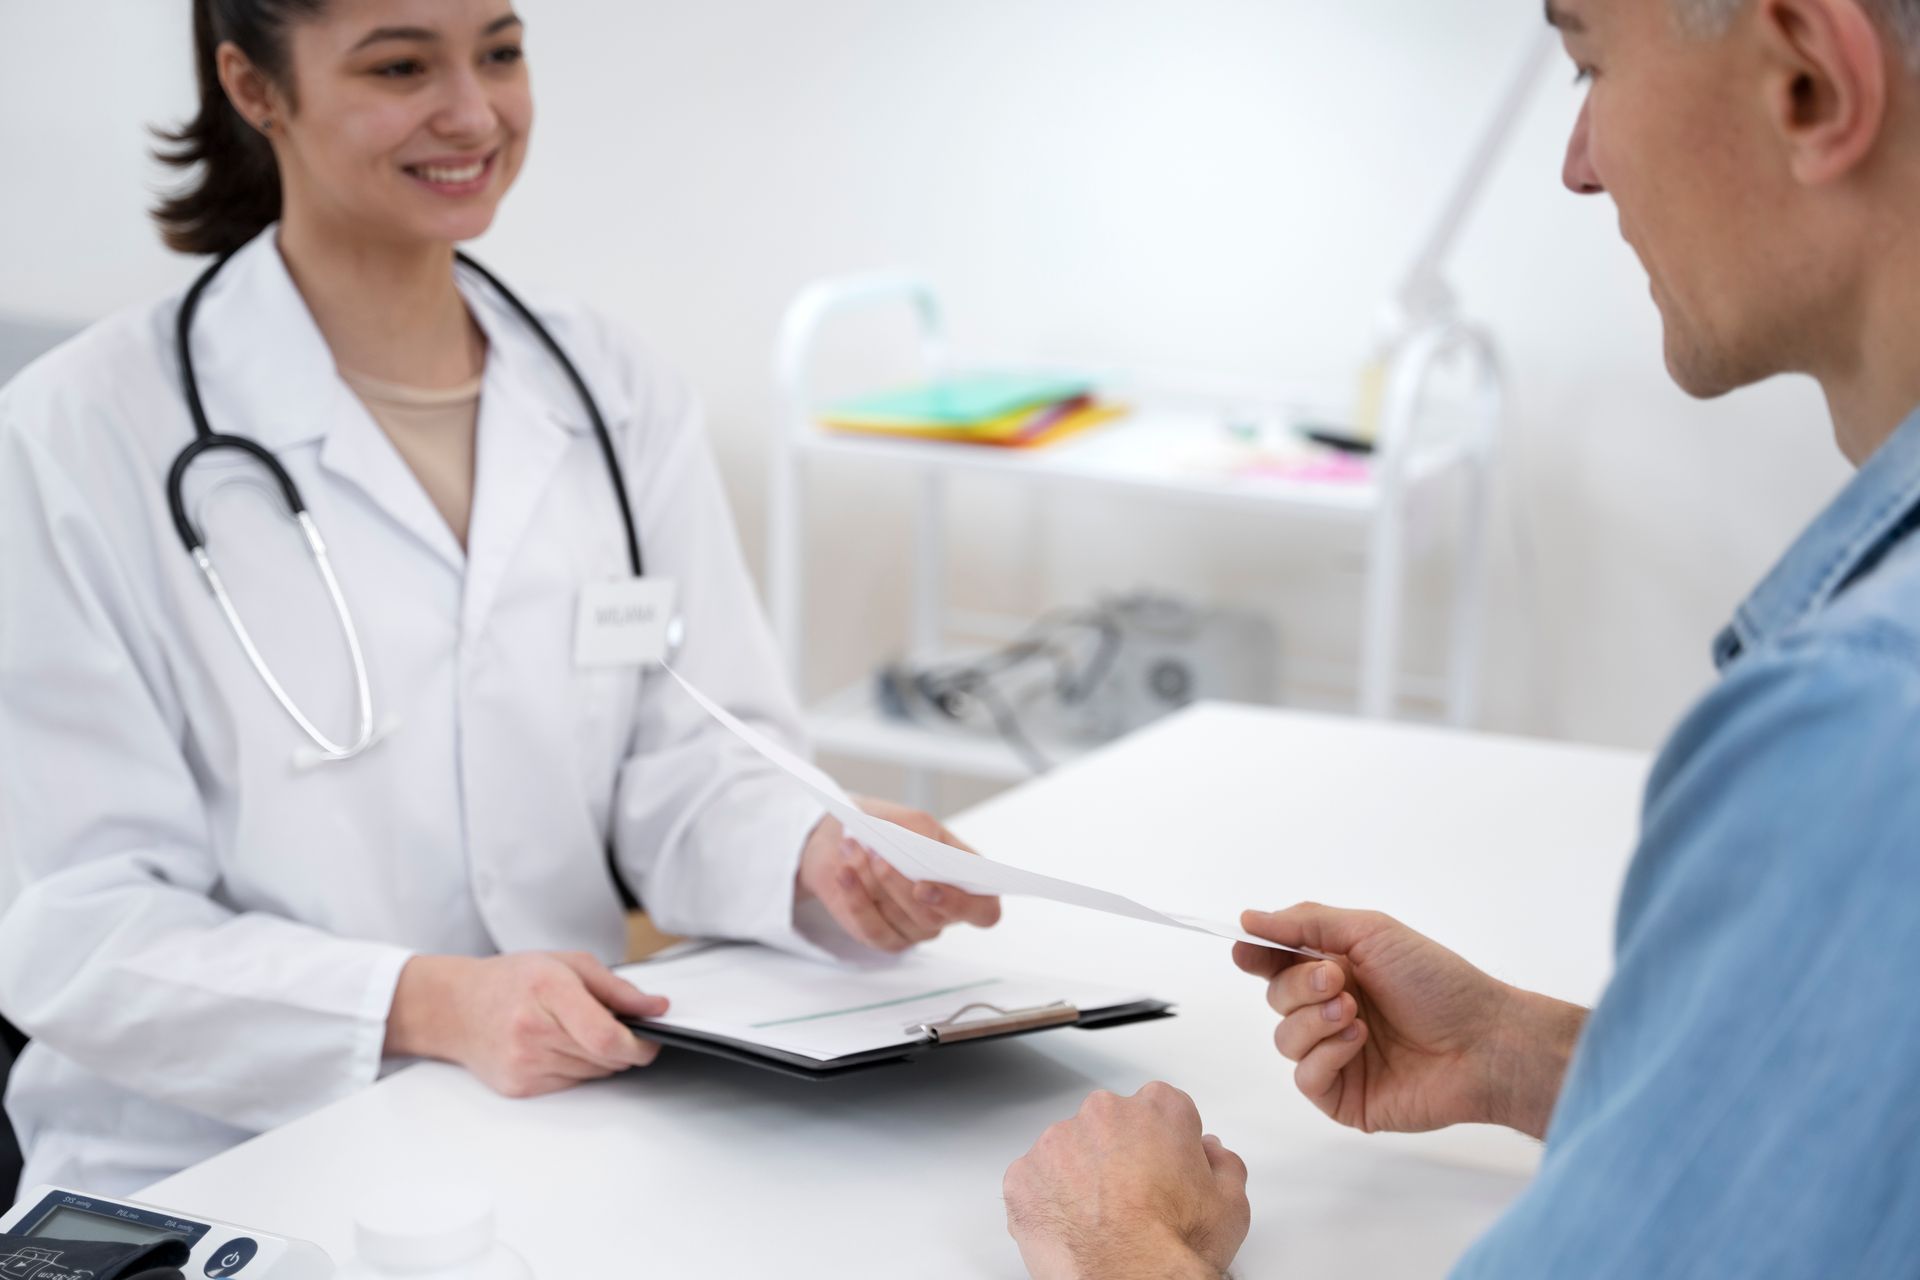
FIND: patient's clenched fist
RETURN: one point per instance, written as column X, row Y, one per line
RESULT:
column 1128, row 1187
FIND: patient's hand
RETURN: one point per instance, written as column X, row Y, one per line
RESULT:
column 1128, row 1188
column 876, row 904
column 1398, row 1033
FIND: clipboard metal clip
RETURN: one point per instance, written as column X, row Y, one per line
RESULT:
column 1003, row 1022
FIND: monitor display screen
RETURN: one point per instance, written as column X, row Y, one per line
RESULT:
column 76, row 1224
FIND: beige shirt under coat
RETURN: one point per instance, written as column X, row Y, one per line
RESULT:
column 434, row 431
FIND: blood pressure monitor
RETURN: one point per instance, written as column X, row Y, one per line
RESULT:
column 217, row 1249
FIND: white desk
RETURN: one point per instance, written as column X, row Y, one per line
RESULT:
column 1511, row 850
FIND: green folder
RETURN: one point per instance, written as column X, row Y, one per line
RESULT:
column 959, row 401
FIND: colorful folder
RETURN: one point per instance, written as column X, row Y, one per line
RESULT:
column 1006, row 410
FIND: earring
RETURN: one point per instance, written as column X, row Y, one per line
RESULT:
column 266, row 124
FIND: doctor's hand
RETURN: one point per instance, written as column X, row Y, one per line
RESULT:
column 525, row 1024
column 1398, row 1033
column 1130, row 1187
column 876, row 904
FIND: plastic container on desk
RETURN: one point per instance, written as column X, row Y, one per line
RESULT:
column 433, row 1233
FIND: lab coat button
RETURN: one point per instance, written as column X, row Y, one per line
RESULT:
column 231, row 1256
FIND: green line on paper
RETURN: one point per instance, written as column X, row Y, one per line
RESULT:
column 881, row 1004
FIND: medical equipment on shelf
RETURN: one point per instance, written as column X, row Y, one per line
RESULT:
column 37, row 1237
column 206, row 440
column 1092, row 674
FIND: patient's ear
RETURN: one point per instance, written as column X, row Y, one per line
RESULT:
column 1827, row 65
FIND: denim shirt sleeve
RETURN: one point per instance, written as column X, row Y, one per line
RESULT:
column 1744, row 1100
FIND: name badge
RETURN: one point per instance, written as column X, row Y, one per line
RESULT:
column 628, row 623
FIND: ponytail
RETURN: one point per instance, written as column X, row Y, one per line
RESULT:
column 235, row 194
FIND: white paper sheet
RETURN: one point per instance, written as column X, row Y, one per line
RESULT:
column 758, row 996
column 920, row 857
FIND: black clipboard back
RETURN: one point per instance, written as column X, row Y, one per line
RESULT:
column 948, row 1033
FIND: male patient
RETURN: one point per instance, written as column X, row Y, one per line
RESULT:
column 1745, row 1101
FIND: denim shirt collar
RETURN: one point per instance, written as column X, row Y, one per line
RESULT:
column 1846, row 539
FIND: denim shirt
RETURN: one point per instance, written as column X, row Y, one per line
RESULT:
column 1745, row 1100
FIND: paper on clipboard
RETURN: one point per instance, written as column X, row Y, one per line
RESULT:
column 919, row 857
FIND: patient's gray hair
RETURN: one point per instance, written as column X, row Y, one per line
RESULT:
column 1708, row 17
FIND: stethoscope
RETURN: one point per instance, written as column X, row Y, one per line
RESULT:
column 207, row 441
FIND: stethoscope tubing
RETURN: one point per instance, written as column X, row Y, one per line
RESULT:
column 552, row 344
column 206, row 440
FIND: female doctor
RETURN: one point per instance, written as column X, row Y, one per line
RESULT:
column 239, row 899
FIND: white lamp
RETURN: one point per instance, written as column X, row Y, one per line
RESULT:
column 1424, row 300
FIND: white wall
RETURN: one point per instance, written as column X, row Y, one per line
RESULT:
column 1220, row 183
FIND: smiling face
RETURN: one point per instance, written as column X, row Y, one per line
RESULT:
column 403, row 121
column 1677, row 128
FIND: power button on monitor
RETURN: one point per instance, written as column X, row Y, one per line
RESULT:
column 230, row 1257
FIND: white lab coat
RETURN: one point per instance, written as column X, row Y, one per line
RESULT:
column 206, row 938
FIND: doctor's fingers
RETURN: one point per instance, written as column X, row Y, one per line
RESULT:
column 904, row 895
column 529, row 1070
column 635, row 1050
column 935, row 905
column 945, row 836
column 979, row 910
column 915, row 820
column 932, row 906
column 941, row 904
column 610, row 989
column 894, row 901
column 561, row 1066
column 570, row 1056
column 853, row 906
column 593, row 1033
column 554, row 1082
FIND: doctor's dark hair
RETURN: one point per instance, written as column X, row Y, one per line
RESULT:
column 236, row 192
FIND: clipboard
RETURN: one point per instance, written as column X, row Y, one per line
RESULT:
column 813, row 1020
column 976, row 1023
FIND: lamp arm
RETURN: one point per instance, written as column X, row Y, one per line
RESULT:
column 1423, row 294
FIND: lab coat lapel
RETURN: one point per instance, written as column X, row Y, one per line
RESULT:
column 266, row 372
column 359, row 452
column 519, row 451
column 264, row 369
